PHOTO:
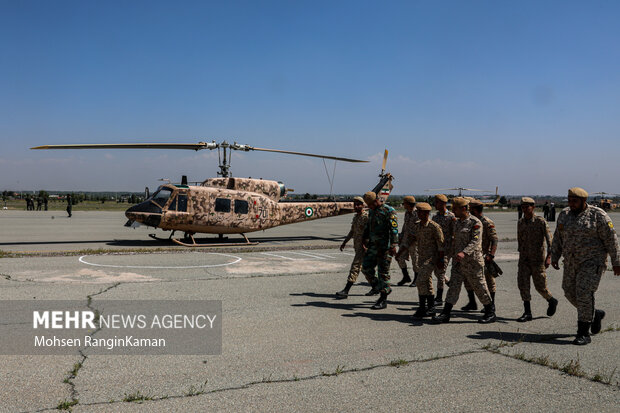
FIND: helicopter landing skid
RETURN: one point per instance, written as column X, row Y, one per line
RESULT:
column 209, row 244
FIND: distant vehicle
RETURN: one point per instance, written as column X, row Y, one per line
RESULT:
column 227, row 205
column 606, row 203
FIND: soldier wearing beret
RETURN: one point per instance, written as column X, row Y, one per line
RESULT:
column 428, row 243
column 380, row 240
column 468, row 263
column 411, row 217
column 532, row 235
column 584, row 236
column 358, row 225
column 446, row 221
column 489, row 247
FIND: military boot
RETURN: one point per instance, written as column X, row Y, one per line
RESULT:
column 596, row 323
column 527, row 313
column 471, row 305
column 489, row 314
column 406, row 278
column 381, row 302
column 430, row 304
column 415, row 278
column 553, row 305
column 421, row 312
column 492, row 300
column 439, row 297
column 373, row 289
column 444, row 317
column 583, row 335
column 345, row 291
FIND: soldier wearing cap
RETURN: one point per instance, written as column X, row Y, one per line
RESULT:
column 532, row 235
column 446, row 221
column 468, row 263
column 411, row 217
column 489, row 247
column 358, row 224
column 380, row 240
column 428, row 242
column 584, row 236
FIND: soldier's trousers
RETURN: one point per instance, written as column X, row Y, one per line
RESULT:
column 536, row 271
column 381, row 259
column 356, row 265
column 580, row 282
column 424, row 282
column 413, row 254
column 440, row 273
column 473, row 274
column 489, row 279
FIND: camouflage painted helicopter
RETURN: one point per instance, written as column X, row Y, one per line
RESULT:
column 606, row 203
column 494, row 202
column 227, row 205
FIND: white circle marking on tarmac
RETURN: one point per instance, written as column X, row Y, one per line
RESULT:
column 237, row 259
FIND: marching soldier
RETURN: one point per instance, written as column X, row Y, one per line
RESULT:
column 489, row 247
column 532, row 235
column 468, row 263
column 446, row 221
column 411, row 217
column 380, row 240
column 358, row 224
column 428, row 243
column 584, row 236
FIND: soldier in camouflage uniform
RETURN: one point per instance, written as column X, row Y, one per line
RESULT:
column 428, row 241
column 380, row 240
column 489, row 247
column 411, row 217
column 446, row 221
column 468, row 263
column 584, row 236
column 358, row 225
column 532, row 235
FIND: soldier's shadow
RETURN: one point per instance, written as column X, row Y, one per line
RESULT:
column 517, row 337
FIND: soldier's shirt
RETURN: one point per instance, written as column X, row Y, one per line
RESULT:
column 532, row 236
column 382, row 227
column 489, row 235
column 446, row 222
column 468, row 239
column 588, row 235
column 428, row 241
column 406, row 235
column 358, row 225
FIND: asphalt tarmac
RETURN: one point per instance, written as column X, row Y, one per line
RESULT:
column 288, row 344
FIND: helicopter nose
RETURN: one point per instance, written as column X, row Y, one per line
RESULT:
column 147, row 213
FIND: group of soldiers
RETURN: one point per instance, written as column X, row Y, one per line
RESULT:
column 584, row 236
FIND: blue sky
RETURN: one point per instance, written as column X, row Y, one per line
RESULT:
column 521, row 95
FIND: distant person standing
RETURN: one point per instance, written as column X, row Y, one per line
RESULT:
column 69, row 204
column 39, row 203
column 532, row 236
column 446, row 221
column 380, row 240
column 552, row 212
column 584, row 236
column 404, row 240
column 45, row 200
column 546, row 210
column 358, row 225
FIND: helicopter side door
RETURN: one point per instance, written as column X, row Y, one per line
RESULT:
column 179, row 212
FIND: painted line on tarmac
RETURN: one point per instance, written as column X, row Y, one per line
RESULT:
column 279, row 256
column 237, row 259
column 307, row 255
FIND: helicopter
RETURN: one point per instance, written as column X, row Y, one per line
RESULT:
column 226, row 204
column 606, row 203
column 491, row 203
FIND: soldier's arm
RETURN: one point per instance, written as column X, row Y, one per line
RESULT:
column 607, row 234
column 547, row 234
column 349, row 236
column 474, row 241
column 494, row 239
column 556, row 244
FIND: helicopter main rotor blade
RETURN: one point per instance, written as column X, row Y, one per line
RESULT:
column 190, row 146
column 336, row 158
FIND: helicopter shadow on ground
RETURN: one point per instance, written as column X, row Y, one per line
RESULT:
column 517, row 337
column 204, row 242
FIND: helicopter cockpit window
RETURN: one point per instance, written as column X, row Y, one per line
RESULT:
column 173, row 205
column 161, row 197
column 222, row 205
column 182, row 203
column 241, row 206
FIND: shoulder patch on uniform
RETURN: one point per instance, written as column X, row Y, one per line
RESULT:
column 476, row 226
column 611, row 224
column 491, row 226
column 394, row 224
